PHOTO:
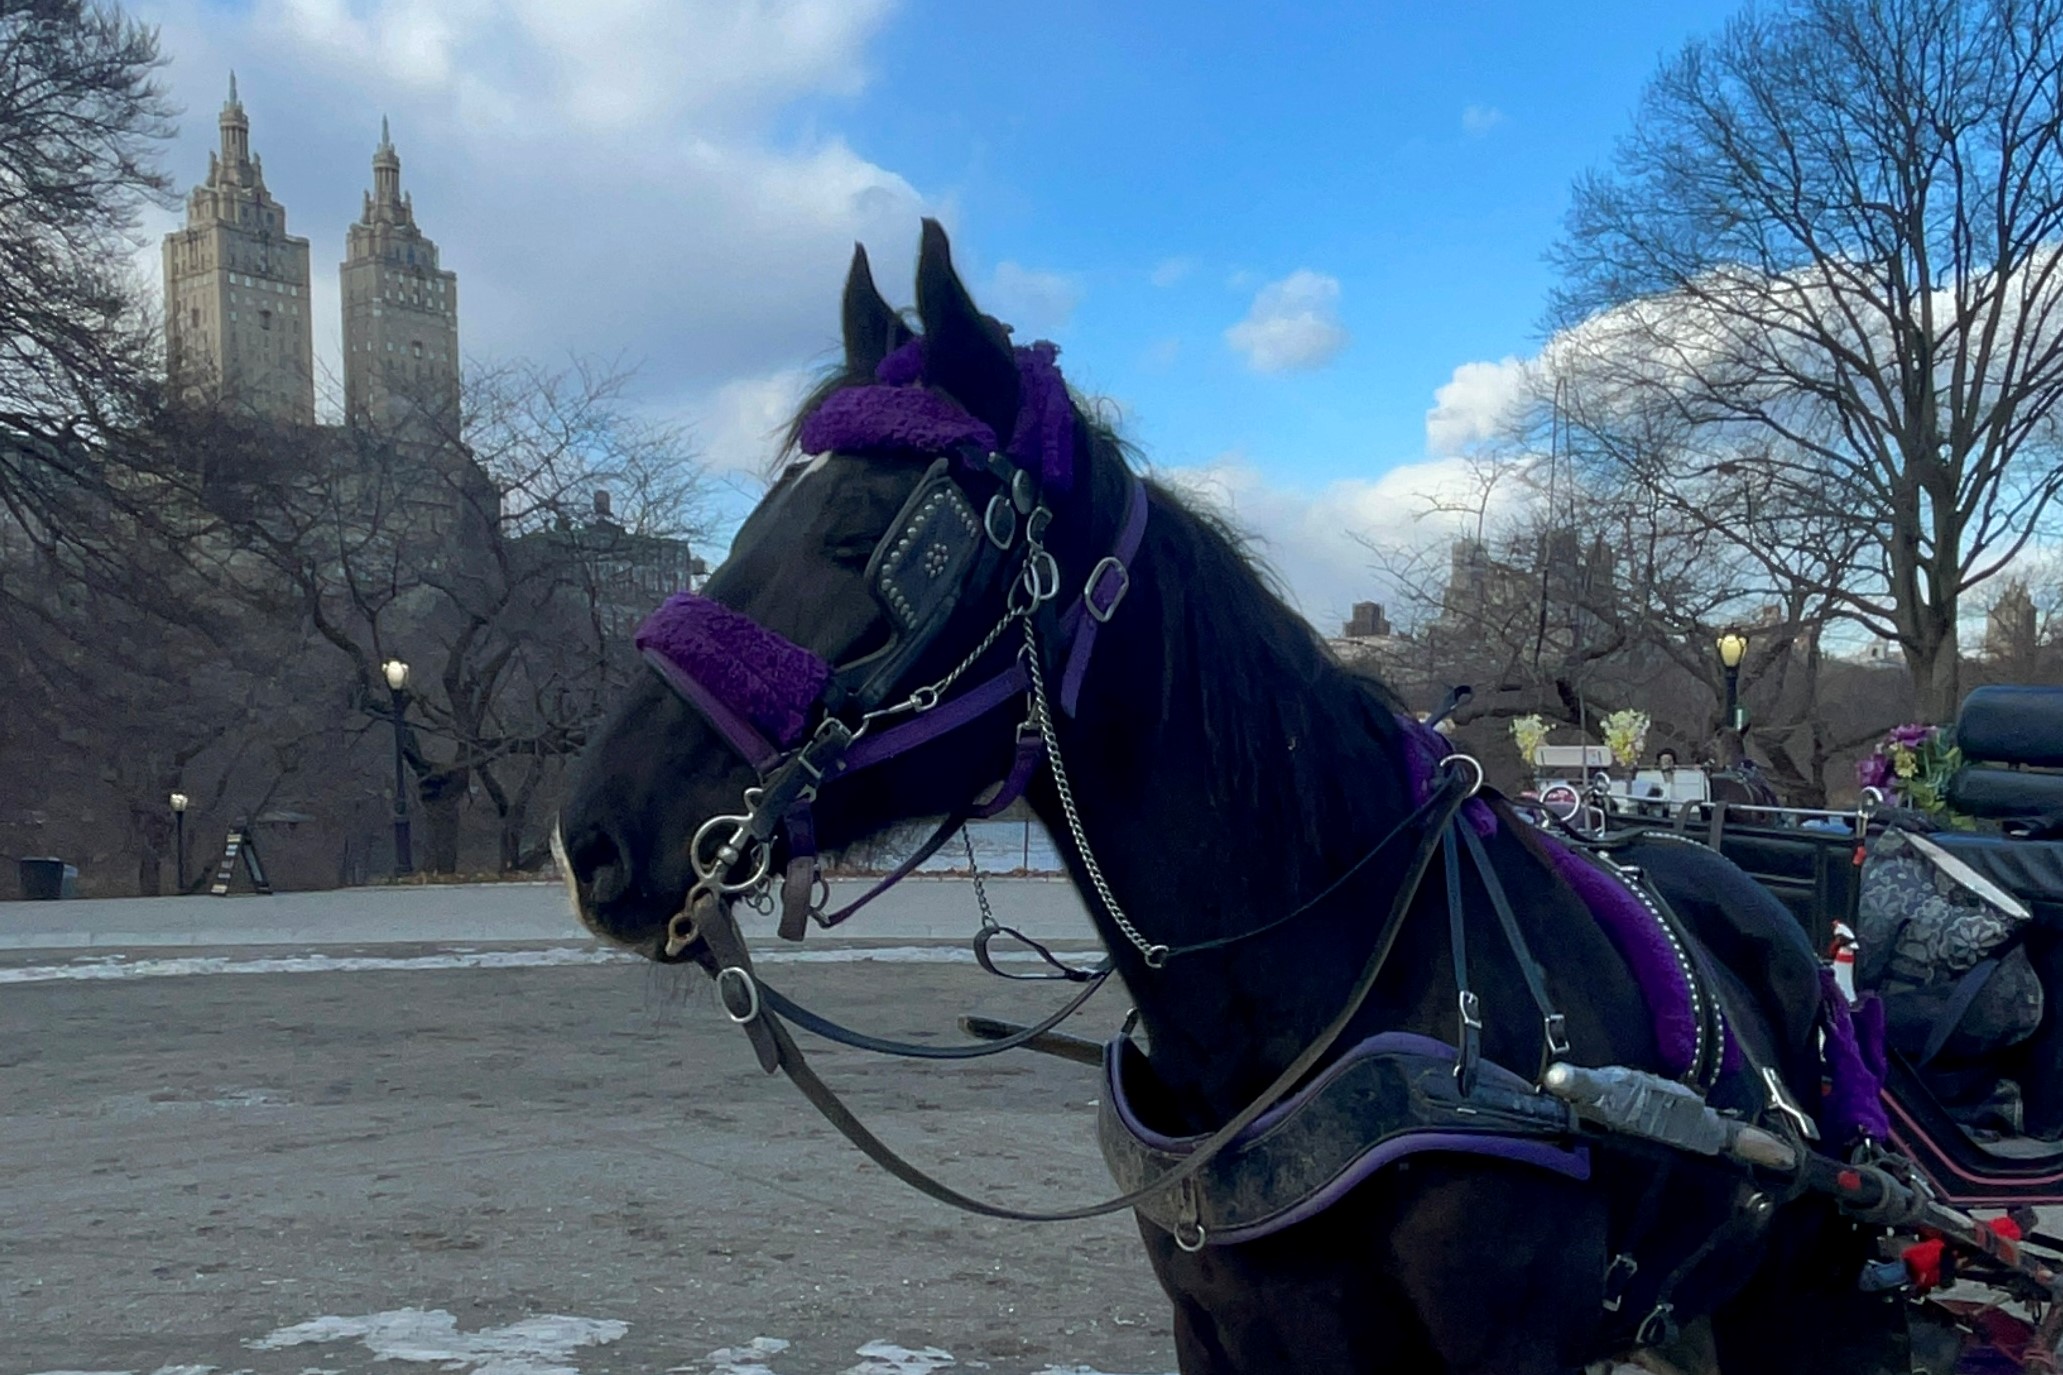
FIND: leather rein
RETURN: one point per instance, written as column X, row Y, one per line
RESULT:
column 708, row 918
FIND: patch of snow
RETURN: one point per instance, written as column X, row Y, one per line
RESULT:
column 743, row 1360
column 532, row 1346
column 886, row 1358
column 120, row 968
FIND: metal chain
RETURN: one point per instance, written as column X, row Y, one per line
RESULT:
column 1154, row 955
column 981, row 892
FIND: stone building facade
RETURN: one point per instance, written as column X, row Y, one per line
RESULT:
column 238, row 328
column 237, row 325
column 401, row 367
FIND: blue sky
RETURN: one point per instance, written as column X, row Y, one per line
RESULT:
column 1370, row 188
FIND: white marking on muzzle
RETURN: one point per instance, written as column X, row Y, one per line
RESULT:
column 558, row 848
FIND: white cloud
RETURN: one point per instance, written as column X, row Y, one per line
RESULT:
column 1478, row 120
column 1032, row 303
column 611, row 178
column 1169, row 271
column 743, row 421
column 1307, row 536
column 1294, row 324
column 1476, row 404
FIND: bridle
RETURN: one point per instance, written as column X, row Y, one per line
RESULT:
column 760, row 691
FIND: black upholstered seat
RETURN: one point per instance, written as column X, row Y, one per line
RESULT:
column 2012, row 743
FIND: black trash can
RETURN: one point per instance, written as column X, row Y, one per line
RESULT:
column 47, row 878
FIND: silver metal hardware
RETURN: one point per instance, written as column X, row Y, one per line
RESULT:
column 1102, row 614
column 1476, row 783
column 751, row 988
column 711, row 868
column 1155, row 955
column 1557, row 1029
column 1041, row 576
column 1780, row 1101
column 681, row 930
column 1471, row 1011
column 999, row 521
column 1190, row 1233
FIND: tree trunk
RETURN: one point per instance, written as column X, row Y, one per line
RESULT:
column 513, row 822
column 443, row 795
column 1933, row 658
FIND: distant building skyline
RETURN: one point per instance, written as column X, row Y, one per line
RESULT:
column 238, row 323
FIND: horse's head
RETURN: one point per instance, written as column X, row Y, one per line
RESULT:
column 872, row 573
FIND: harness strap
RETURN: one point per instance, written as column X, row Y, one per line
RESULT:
column 1106, row 587
column 823, row 1026
column 1453, row 790
column 1553, row 1025
column 931, row 846
column 1468, row 1041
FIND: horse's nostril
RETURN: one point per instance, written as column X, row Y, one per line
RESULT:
column 600, row 866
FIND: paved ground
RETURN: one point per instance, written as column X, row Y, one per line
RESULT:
column 530, row 1159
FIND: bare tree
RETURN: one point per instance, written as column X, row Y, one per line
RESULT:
column 81, row 116
column 491, row 558
column 1826, row 256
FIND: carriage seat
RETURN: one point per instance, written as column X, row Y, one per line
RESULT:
column 2011, row 738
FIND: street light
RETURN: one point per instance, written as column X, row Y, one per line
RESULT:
column 1733, row 647
column 397, row 683
column 180, row 801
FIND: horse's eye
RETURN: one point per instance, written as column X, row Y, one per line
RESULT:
column 851, row 553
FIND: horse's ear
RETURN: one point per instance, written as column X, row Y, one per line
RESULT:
column 872, row 328
column 966, row 354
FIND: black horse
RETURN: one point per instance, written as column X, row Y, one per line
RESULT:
column 1226, row 769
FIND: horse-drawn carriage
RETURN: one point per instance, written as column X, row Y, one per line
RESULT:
column 1423, row 1087
column 1995, row 889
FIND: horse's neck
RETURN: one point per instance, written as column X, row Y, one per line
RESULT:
column 1189, row 863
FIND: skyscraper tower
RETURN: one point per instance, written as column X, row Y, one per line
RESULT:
column 237, row 329
column 400, row 316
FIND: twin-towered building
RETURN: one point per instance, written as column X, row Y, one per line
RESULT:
column 238, row 327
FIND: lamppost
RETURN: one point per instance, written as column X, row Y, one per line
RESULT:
column 1733, row 647
column 397, row 683
column 179, row 805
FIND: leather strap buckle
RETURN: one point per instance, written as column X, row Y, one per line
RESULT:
column 1101, row 610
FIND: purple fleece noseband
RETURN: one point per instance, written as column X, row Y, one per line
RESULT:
column 900, row 412
column 736, row 670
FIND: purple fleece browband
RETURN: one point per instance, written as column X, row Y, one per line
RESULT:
column 899, row 412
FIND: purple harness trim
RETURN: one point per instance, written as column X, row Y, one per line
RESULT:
column 1424, row 748
column 1641, row 942
column 1571, row 1163
column 1628, row 924
column 1853, row 1048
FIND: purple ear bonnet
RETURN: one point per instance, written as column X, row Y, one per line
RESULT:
column 769, row 681
column 899, row 412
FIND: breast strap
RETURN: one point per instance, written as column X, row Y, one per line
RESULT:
column 1393, row 1095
